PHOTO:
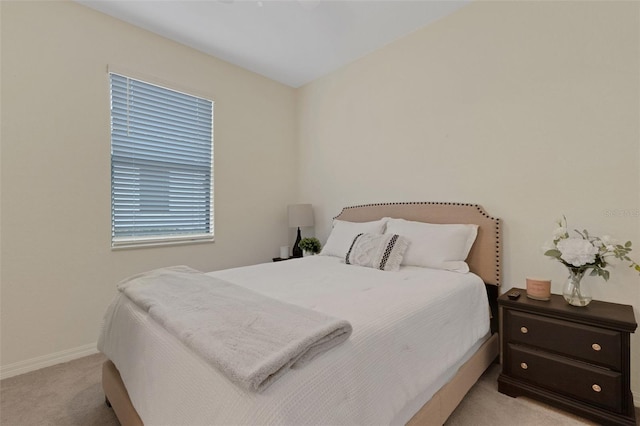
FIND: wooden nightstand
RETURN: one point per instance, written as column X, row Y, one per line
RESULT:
column 574, row 358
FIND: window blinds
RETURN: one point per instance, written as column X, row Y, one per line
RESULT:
column 161, row 163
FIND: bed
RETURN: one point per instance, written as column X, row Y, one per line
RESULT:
column 395, row 368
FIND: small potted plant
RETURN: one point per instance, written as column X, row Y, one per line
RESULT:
column 310, row 246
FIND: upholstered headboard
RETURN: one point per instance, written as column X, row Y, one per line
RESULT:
column 484, row 257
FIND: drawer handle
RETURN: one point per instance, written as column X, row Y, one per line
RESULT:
column 524, row 366
column 524, row 330
column 596, row 347
column 596, row 388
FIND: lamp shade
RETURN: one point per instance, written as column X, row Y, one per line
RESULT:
column 300, row 215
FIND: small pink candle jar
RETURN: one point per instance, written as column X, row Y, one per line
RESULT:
column 538, row 288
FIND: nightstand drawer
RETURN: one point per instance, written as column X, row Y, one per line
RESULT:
column 597, row 345
column 585, row 382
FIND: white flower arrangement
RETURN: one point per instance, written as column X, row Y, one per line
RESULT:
column 586, row 251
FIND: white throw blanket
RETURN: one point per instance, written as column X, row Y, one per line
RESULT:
column 251, row 338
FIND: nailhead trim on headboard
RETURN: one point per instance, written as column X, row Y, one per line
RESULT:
column 496, row 221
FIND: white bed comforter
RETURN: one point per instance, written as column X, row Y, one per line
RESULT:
column 411, row 330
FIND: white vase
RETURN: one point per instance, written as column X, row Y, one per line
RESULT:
column 306, row 253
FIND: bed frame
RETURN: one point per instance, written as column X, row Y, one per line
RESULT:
column 483, row 260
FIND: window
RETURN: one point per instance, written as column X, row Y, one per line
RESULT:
column 161, row 164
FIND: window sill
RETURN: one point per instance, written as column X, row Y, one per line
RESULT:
column 160, row 242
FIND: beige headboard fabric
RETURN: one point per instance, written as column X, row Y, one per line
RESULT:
column 484, row 257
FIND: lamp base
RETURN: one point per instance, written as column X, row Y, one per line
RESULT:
column 297, row 251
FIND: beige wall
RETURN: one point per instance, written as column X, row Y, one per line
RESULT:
column 529, row 109
column 58, row 271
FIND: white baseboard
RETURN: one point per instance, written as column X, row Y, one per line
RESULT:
column 43, row 361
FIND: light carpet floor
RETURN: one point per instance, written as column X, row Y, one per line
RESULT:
column 70, row 394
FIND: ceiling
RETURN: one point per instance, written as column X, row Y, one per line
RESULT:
column 293, row 42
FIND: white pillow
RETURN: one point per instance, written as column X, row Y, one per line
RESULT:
column 439, row 246
column 377, row 251
column 344, row 232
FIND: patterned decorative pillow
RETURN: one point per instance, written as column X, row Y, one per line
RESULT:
column 377, row 251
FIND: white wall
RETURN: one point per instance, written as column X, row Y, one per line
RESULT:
column 530, row 109
column 58, row 271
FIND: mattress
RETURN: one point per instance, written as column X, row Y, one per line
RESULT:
column 411, row 330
